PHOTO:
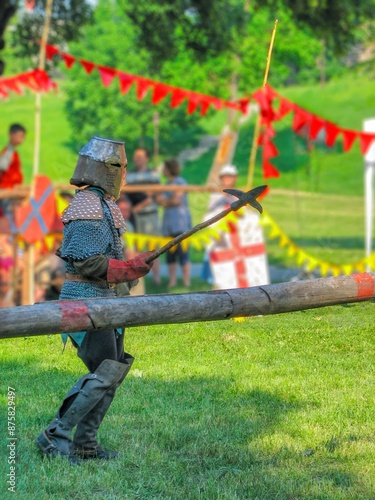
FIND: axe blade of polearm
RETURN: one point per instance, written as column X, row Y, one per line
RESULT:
column 248, row 198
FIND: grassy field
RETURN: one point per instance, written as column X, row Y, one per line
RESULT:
column 275, row 407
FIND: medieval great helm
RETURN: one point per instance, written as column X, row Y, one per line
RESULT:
column 101, row 163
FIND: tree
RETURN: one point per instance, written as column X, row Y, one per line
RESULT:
column 67, row 21
column 334, row 21
column 7, row 9
column 95, row 110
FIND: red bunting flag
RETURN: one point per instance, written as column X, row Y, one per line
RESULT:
column 348, row 139
column 177, row 98
column 205, row 104
column 301, row 118
column 269, row 150
column 285, row 108
column 269, row 170
column 193, row 103
column 332, row 131
column 13, row 84
column 68, row 60
column 160, row 92
column 87, row 66
column 366, row 141
column 107, row 75
column 51, row 51
column 142, row 87
column 36, row 80
column 316, row 126
column 126, row 81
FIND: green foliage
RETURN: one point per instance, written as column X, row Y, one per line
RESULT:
column 207, row 29
column 335, row 21
column 68, row 18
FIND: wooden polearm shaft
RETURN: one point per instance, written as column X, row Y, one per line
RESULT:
column 90, row 314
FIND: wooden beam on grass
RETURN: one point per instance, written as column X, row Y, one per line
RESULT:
column 90, row 314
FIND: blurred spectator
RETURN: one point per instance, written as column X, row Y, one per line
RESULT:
column 176, row 220
column 144, row 209
column 219, row 201
column 6, row 269
column 10, row 164
column 49, row 274
column 228, row 176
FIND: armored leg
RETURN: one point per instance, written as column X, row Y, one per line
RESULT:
column 82, row 398
column 85, row 443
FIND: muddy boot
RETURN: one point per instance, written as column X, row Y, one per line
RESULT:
column 85, row 443
column 86, row 394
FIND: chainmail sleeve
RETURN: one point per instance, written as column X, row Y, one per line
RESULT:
column 85, row 238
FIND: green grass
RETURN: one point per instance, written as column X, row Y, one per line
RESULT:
column 273, row 407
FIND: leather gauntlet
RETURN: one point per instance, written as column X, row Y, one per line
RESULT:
column 128, row 270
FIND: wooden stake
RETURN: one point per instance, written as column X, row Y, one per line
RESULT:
column 254, row 147
column 28, row 289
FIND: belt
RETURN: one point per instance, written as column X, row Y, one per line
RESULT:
column 81, row 279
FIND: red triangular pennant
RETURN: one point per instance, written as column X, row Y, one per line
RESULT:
column 205, row 104
column 27, row 79
column 285, row 108
column 126, row 81
column 269, row 170
column 51, row 51
column 177, row 98
column 160, row 92
column 68, row 60
column 142, row 87
column 107, row 75
column 216, row 103
column 13, row 85
column 332, row 131
column 260, row 97
column 316, row 126
column 366, row 141
column 193, row 103
column 348, row 139
column 244, row 105
column 301, row 118
column 269, row 150
column 87, row 66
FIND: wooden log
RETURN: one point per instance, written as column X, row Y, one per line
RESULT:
column 77, row 315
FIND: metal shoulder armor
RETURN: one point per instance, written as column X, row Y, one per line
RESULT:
column 85, row 205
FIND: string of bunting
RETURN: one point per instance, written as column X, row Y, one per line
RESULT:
column 159, row 90
column 311, row 124
column 305, row 259
column 36, row 80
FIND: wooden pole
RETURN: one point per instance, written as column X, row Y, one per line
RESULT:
column 90, row 314
column 29, row 279
column 254, row 147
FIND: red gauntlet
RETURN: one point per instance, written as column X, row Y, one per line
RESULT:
column 128, row 270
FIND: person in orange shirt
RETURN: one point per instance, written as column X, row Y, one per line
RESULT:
column 10, row 163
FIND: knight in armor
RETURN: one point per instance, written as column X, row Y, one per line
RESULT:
column 93, row 255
